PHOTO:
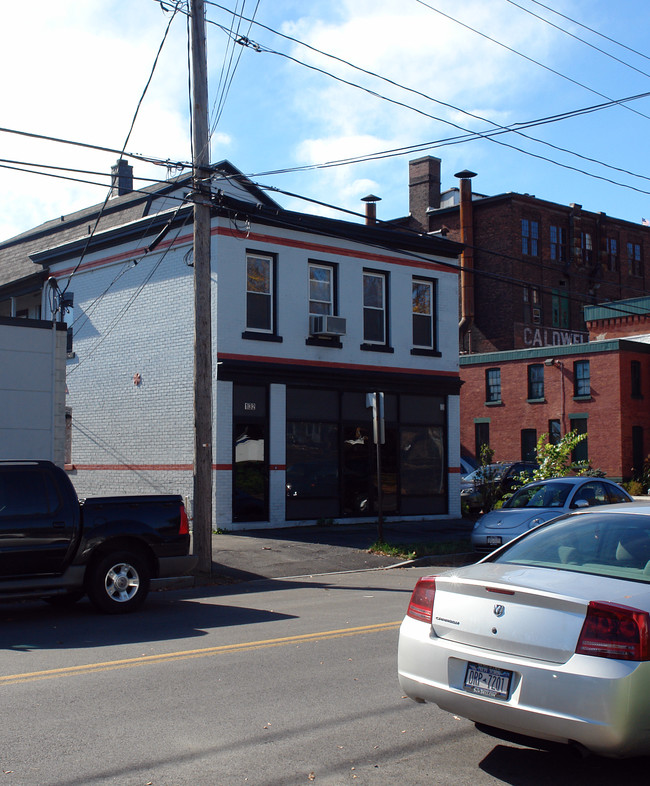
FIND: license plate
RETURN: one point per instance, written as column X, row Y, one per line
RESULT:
column 494, row 540
column 487, row 681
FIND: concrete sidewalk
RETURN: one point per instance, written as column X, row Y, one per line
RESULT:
column 298, row 551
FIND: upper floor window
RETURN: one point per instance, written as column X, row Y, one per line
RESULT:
column 536, row 381
column 321, row 289
column 560, row 308
column 586, row 247
column 581, row 378
column 493, row 384
column 424, row 308
column 532, row 305
column 612, row 253
column 374, row 308
column 634, row 259
column 529, row 237
column 259, row 292
column 558, row 244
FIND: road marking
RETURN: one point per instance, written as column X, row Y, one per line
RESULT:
column 144, row 660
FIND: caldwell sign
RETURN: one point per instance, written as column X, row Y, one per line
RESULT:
column 530, row 336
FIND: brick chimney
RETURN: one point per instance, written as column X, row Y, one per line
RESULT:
column 121, row 178
column 424, row 188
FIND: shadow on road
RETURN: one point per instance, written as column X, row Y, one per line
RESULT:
column 531, row 767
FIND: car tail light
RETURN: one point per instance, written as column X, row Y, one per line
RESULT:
column 613, row 631
column 421, row 603
column 184, row 528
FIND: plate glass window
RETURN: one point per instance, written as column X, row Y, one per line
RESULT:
column 374, row 308
column 259, row 293
column 493, row 384
column 321, row 289
column 423, row 295
column 582, row 383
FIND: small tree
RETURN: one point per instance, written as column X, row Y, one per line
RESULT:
column 554, row 461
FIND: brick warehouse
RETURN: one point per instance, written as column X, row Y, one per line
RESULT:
column 541, row 262
column 509, row 398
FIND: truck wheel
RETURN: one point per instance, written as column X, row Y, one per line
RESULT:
column 118, row 583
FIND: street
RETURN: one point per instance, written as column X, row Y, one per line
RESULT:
column 269, row 683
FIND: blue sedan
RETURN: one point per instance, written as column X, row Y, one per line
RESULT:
column 540, row 501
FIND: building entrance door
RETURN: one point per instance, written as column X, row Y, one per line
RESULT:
column 250, row 500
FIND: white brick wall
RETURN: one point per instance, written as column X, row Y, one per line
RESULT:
column 129, row 320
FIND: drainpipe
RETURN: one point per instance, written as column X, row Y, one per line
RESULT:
column 466, row 258
column 371, row 208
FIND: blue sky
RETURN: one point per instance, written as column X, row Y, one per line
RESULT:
column 77, row 71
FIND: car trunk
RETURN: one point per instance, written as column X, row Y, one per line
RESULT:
column 533, row 613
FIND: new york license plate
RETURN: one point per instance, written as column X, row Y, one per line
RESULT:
column 487, row 681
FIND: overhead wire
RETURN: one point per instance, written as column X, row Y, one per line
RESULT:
column 475, row 134
column 591, row 30
column 524, row 56
column 126, row 141
column 577, row 38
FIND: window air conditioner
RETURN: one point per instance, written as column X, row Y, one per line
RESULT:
column 325, row 325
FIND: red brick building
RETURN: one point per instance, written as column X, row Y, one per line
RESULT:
column 601, row 387
column 530, row 265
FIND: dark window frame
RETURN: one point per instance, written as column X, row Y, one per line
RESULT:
column 530, row 237
column 493, row 385
column 370, row 344
column 536, row 382
column 558, row 243
column 432, row 284
column 269, row 333
column 581, row 379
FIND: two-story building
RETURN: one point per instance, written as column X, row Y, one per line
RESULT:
column 309, row 316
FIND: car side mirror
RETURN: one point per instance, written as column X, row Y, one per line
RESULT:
column 580, row 503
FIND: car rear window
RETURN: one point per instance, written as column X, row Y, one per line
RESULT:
column 603, row 544
column 540, row 495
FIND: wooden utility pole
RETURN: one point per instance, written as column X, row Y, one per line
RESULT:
column 202, row 295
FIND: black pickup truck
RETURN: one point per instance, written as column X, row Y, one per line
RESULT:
column 54, row 546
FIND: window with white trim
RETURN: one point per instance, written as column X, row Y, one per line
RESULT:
column 321, row 289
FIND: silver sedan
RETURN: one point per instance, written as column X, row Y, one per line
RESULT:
column 541, row 501
column 548, row 637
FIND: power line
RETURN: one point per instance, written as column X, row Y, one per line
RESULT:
column 591, row 30
column 126, row 141
column 577, row 38
column 244, row 41
column 525, row 57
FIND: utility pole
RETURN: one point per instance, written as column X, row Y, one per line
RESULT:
column 202, row 296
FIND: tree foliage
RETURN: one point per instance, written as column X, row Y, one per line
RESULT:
column 554, row 461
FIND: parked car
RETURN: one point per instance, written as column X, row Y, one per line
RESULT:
column 467, row 465
column 548, row 637
column 502, row 478
column 540, row 501
column 56, row 547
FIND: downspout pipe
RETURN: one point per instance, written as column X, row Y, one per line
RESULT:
column 466, row 258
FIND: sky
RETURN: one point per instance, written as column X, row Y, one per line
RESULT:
column 324, row 81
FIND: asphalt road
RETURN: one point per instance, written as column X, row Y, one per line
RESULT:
column 268, row 683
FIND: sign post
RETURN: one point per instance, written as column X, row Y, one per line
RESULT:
column 376, row 402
